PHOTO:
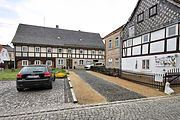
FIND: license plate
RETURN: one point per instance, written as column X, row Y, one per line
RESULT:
column 33, row 76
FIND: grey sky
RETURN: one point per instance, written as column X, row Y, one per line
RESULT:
column 99, row 16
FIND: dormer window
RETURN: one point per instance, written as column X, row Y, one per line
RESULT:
column 153, row 11
column 140, row 17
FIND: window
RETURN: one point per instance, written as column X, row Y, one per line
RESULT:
column 136, row 65
column 69, row 50
column 129, row 43
column 81, row 62
column 116, row 42
column 171, row 31
column 110, row 62
column 81, row 51
column 49, row 62
column 61, row 61
column 60, row 50
column 93, row 51
column 117, row 63
column 49, row 50
column 37, row 49
column 110, row 44
column 37, row 62
column 24, row 48
column 24, row 62
column 145, row 64
column 140, row 17
column 153, row 11
column 146, row 38
column 100, row 52
column 131, row 31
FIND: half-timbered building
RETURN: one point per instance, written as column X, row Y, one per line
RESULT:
column 151, row 37
column 56, row 47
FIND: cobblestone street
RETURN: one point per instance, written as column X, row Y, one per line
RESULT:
column 162, row 108
column 13, row 102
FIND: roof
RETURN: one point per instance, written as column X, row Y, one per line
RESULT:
column 1, row 47
column 175, row 2
column 9, row 48
column 29, row 34
column 114, row 32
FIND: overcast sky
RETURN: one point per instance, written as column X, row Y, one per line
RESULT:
column 99, row 16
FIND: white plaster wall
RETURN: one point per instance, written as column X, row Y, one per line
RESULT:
column 171, row 44
column 43, row 54
column 18, row 48
column 48, row 55
column 73, row 50
column 65, row 55
column 129, row 64
column 85, row 56
column 24, row 54
column 54, row 50
column 85, row 51
column 18, row 54
column 37, row 54
column 137, row 50
column 54, row 55
column 137, row 41
column 60, row 55
column 81, row 56
column 89, row 51
column 77, row 51
column 31, row 54
column 43, row 49
column 160, row 34
column 157, row 47
column 31, row 49
column 89, row 56
column 128, row 51
column 145, row 49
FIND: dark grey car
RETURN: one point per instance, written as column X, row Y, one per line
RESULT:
column 35, row 76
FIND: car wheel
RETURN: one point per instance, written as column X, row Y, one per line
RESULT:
column 50, row 86
column 20, row 89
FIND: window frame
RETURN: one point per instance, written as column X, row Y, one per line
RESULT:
column 81, row 62
column 81, row 51
column 144, row 39
column 60, row 49
column 36, row 49
column 49, row 61
column 152, row 8
column 69, row 49
column 109, row 44
column 145, row 66
column 49, row 49
column 60, row 62
column 116, row 43
column 141, row 15
column 26, row 62
column 23, row 48
column 93, row 52
column 37, row 61
column 110, row 61
column 175, row 26
column 117, row 60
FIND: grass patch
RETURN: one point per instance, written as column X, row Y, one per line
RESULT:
column 8, row 74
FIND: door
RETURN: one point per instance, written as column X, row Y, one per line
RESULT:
column 69, row 63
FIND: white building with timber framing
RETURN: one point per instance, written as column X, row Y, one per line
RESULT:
column 151, row 37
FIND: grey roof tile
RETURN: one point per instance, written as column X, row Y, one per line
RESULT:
column 30, row 34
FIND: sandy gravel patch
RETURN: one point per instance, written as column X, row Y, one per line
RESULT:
column 143, row 90
column 84, row 93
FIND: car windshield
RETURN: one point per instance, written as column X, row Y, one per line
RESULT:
column 33, row 70
column 98, row 63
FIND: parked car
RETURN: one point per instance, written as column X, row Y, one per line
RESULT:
column 99, row 64
column 35, row 76
column 88, row 67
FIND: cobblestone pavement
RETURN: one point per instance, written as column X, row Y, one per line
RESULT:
column 31, row 101
column 162, row 108
column 110, row 91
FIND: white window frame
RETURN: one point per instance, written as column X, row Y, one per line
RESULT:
column 100, row 52
column 117, row 61
column 49, row 61
column 129, row 43
column 49, row 50
column 81, row 62
column 176, row 30
column 69, row 49
column 36, row 49
column 116, row 42
column 144, row 37
column 81, row 51
column 93, row 52
column 60, row 49
column 110, row 44
column 145, row 66
column 26, row 62
column 37, row 62
column 61, row 62
column 24, row 48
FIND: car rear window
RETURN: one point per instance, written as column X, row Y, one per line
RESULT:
column 98, row 63
column 33, row 70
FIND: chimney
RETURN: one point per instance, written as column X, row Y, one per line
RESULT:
column 57, row 26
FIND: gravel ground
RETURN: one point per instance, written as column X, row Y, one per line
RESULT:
column 110, row 91
column 31, row 101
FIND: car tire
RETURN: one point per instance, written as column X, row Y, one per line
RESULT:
column 50, row 86
column 20, row 89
